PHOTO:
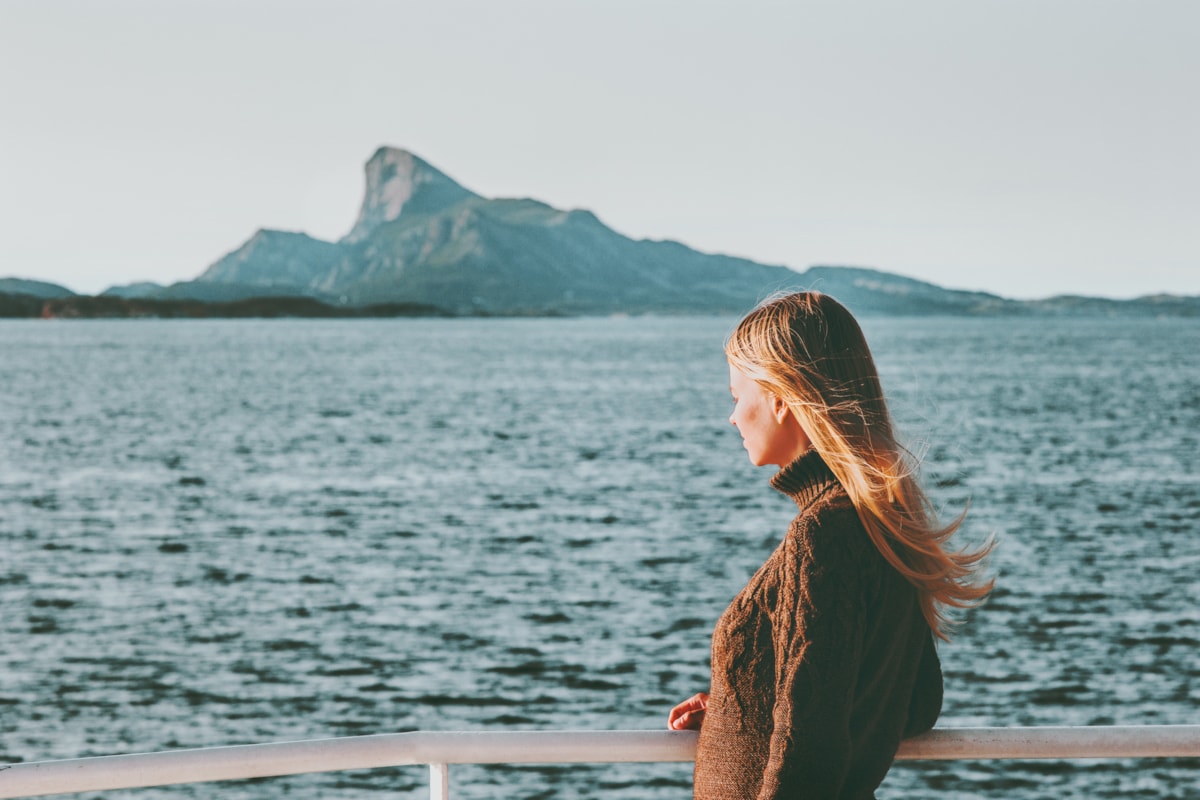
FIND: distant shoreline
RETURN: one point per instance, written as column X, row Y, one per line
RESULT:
column 105, row 307
column 25, row 306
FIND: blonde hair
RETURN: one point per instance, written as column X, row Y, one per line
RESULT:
column 809, row 351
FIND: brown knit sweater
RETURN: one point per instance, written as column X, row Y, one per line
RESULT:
column 820, row 666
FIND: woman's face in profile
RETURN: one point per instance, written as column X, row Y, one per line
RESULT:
column 770, row 434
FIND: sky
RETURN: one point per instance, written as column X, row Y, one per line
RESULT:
column 1022, row 147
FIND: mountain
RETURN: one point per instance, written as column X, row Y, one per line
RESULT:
column 398, row 181
column 1153, row 305
column 422, row 240
column 134, row 291
column 277, row 261
column 421, row 237
column 869, row 291
column 33, row 288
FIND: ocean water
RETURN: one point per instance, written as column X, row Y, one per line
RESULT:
column 220, row 532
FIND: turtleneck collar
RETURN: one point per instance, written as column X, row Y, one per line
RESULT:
column 804, row 479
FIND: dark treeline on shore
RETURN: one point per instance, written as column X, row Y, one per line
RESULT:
column 27, row 306
column 24, row 306
column 107, row 307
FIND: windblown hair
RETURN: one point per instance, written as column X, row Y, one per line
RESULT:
column 809, row 351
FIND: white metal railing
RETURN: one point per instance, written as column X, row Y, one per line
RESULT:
column 439, row 750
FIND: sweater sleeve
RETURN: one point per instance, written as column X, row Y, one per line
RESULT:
column 817, row 626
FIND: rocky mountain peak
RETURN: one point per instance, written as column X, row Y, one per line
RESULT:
column 400, row 182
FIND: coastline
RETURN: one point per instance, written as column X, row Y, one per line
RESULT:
column 27, row 306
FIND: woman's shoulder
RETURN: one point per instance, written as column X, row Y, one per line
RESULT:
column 828, row 531
column 826, row 561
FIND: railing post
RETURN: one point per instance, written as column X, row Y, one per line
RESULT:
column 439, row 782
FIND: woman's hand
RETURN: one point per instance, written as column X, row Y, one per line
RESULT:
column 689, row 715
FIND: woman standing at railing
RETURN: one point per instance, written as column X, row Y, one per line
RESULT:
column 826, row 659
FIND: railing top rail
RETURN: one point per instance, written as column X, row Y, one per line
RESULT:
column 525, row 747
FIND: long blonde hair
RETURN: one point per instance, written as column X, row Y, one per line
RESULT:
column 809, row 351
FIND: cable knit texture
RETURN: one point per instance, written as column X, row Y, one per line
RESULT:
column 820, row 666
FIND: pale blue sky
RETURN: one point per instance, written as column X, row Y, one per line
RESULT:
column 1024, row 147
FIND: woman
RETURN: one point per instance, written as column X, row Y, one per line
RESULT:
column 826, row 659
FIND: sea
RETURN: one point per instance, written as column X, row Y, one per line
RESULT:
column 220, row 532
